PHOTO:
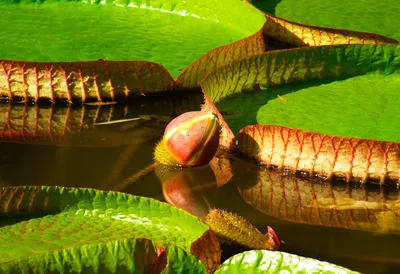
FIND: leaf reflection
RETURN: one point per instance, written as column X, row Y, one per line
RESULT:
column 100, row 125
column 336, row 204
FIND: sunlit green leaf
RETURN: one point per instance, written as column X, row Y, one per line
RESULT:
column 379, row 17
column 168, row 32
column 65, row 226
column 310, row 113
column 317, row 106
column 263, row 261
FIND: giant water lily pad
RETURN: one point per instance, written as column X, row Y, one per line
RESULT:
column 57, row 228
column 330, row 124
column 296, row 34
column 263, row 261
column 171, row 33
column 362, row 106
column 302, row 88
column 362, row 15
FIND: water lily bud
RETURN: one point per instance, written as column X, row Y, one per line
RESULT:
column 191, row 139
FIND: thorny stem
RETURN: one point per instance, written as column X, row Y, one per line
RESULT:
column 232, row 228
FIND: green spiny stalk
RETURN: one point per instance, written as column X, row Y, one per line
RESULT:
column 232, row 228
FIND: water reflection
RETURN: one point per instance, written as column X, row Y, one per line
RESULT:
column 66, row 146
column 336, row 204
column 188, row 189
column 92, row 125
column 84, row 154
column 195, row 189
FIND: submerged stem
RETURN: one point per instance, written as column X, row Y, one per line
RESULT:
column 138, row 176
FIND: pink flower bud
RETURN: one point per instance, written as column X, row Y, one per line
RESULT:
column 193, row 138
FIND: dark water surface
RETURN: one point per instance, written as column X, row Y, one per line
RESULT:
column 351, row 225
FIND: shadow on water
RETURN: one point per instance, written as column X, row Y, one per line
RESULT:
column 351, row 225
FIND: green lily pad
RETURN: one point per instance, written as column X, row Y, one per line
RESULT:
column 361, row 15
column 335, row 128
column 81, row 81
column 171, row 33
column 293, row 34
column 123, row 256
column 361, row 107
column 364, row 106
column 64, row 225
column 263, row 261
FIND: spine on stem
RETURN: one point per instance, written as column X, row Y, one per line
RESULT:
column 231, row 228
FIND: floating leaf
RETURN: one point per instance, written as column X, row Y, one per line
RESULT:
column 66, row 218
column 123, row 256
column 327, row 107
column 130, row 256
column 192, row 75
column 168, row 32
column 359, row 15
column 326, row 155
column 263, row 261
column 81, row 81
column 305, row 35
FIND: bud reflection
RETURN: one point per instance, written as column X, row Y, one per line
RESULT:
column 188, row 189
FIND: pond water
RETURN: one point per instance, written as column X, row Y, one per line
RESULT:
column 351, row 225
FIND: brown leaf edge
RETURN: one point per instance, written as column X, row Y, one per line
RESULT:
column 297, row 34
column 246, row 47
column 105, row 80
column 227, row 139
column 81, row 81
column 207, row 250
column 322, row 154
